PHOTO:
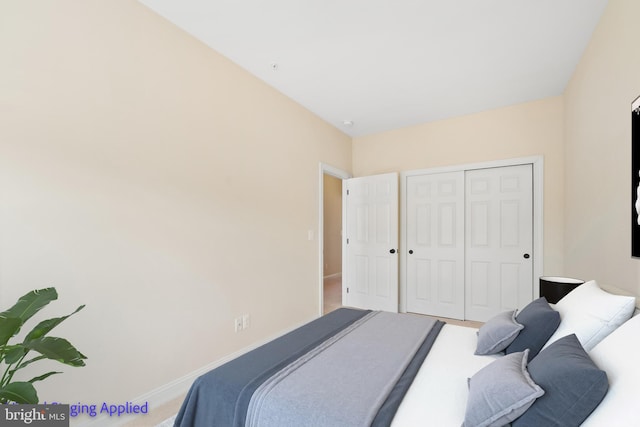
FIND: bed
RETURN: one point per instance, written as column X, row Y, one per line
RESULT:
column 568, row 364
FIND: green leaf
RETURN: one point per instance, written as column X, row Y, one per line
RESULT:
column 26, row 363
column 30, row 361
column 31, row 303
column 19, row 392
column 57, row 349
column 42, row 377
column 9, row 326
column 14, row 353
column 45, row 326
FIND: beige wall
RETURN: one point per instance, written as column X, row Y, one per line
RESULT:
column 534, row 128
column 598, row 151
column 332, row 225
column 150, row 178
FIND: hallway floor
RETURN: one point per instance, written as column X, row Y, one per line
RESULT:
column 332, row 293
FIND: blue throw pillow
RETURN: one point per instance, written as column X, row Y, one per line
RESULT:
column 499, row 331
column 573, row 385
column 540, row 322
column 500, row 392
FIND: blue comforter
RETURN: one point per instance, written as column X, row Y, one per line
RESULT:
column 221, row 397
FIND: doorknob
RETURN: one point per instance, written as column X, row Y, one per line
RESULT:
column 526, row 256
column 393, row 251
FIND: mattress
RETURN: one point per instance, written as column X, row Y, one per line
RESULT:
column 439, row 391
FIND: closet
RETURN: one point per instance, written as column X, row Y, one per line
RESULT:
column 469, row 238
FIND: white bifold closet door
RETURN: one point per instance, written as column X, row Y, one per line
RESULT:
column 469, row 242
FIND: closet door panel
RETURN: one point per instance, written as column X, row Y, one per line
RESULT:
column 499, row 240
column 435, row 244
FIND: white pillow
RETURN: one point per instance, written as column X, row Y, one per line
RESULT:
column 617, row 354
column 591, row 314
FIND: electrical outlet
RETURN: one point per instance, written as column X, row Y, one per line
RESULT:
column 246, row 321
column 238, row 324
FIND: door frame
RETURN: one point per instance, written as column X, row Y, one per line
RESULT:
column 342, row 175
column 538, row 210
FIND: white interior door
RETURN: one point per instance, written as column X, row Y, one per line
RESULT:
column 499, row 240
column 371, row 249
column 435, row 244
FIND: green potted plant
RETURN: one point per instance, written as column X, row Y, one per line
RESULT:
column 35, row 346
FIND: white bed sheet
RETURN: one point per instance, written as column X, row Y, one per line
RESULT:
column 438, row 394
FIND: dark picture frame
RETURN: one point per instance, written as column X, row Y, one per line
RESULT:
column 635, row 178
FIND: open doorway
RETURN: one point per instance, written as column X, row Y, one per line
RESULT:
column 330, row 237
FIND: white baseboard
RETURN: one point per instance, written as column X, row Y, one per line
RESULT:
column 170, row 391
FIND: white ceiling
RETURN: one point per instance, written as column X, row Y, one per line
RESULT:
column 386, row 64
